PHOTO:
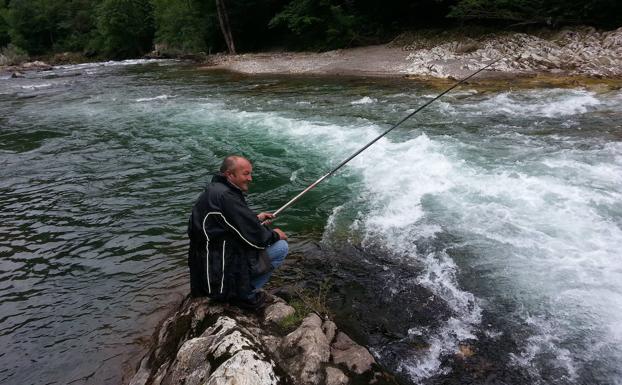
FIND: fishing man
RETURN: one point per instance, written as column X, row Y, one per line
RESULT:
column 232, row 254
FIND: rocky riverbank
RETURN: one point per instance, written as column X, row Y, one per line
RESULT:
column 570, row 52
column 210, row 343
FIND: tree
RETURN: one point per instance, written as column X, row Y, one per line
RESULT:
column 324, row 24
column 225, row 26
column 607, row 13
column 125, row 27
column 5, row 38
column 186, row 25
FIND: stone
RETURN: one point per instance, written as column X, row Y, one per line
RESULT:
column 191, row 366
column 37, row 65
column 277, row 312
column 353, row 356
column 244, row 368
column 305, row 350
column 330, row 329
column 335, row 376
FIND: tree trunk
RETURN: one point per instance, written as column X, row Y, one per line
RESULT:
column 223, row 18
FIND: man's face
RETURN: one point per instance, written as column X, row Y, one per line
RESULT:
column 241, row 175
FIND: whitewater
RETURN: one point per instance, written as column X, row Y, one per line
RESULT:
column 479, row 239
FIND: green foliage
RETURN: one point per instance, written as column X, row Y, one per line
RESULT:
column 41, row 26
column 129, row 28
column 12, row 55
column 291, row 322
column 308, row 302
column 125, row 28
column 5, row 38
column 321, row 24
column 551, row 12
column 186, row 25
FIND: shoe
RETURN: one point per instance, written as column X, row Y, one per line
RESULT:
column 256, row 304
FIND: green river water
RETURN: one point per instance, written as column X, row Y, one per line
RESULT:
column 491, row 220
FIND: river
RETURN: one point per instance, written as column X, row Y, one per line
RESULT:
column 478, row 242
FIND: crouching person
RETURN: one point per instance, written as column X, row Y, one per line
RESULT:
column 232, row 254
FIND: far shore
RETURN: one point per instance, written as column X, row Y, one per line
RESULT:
column 577, row 57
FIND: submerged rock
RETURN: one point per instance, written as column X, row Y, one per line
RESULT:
column 210, row 343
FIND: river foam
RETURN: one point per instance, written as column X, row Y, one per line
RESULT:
column 543, row 229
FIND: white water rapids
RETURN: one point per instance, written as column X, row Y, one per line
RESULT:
column 507, row 206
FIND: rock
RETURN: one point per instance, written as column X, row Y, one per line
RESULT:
column 205, row 343
column 244, row 368
column 191, row 366
column 335, row 376
column 278, row 311
column 17, row 74
column 329, row 328
column 37, row 65
column 305, row 350
column 354, row 357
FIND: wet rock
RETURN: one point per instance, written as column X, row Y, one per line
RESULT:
column 305, row 350
column 353, row 356
column 17, row 74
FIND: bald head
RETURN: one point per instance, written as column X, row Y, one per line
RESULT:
column 230, row 163
column 238, row 171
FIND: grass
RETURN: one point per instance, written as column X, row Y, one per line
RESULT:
column 308, row 301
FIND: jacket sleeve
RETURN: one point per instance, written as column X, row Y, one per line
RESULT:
column 243, row 222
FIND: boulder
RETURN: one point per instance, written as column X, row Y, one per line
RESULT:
column 305, row 350
column 355, row 357
column 335, row 376
column 191, row 366
column 244, row 368
column 278, row 311
column 206, row 343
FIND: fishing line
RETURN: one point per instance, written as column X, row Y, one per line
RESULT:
column 343, row 163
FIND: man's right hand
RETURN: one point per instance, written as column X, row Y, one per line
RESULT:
column 282, row 235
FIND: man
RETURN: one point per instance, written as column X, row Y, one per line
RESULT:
column 232, row 254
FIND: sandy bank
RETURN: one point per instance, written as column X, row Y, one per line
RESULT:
column 581, row 52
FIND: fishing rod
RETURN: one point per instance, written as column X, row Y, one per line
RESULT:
column 343, row 163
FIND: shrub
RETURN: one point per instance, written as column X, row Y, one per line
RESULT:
column 12, row 55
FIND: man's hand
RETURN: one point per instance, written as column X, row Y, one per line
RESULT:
column 282, row 235
column 263, row 216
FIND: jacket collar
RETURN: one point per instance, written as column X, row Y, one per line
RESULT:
column 219, row 178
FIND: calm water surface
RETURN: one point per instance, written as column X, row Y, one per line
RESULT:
column 491, row 224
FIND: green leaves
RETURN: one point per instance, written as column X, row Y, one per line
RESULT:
column 322, row 24
column 125, row 27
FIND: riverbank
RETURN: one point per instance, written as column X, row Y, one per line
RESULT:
column 204, row 342
column 576, row 55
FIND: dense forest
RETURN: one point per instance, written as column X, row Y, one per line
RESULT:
column 130, row 28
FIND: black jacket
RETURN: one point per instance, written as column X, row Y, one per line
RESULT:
column 226, row 239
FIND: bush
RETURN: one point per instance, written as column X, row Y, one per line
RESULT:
column 320, row 24
column 125, row 28
column 12, row 55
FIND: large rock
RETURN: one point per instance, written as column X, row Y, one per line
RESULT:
column 205, row 343
column 277, row 312
column 191, row 366
column 244, row 368
column 305, row 350
column 355, row 357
